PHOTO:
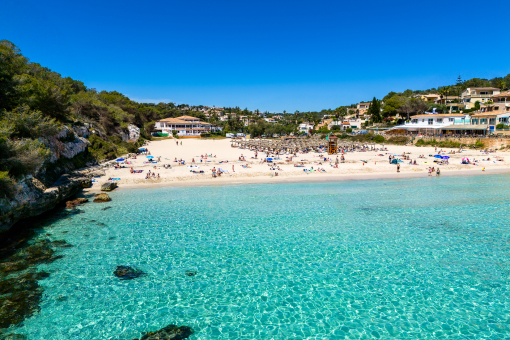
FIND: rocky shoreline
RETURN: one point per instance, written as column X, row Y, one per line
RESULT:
column 35, row 199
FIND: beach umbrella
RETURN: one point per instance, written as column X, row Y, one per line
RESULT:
column 437, row 156
column 150, row 157
column 445, row 157
column 120, row 160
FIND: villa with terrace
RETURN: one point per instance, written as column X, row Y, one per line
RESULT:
column 471, row 95
column 186, row 126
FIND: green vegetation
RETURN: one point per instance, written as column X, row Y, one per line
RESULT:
column 448, row 144
column 441, row 144
column 398, row 140
column 379, row 139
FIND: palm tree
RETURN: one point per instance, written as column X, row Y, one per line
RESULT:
column 445, row 91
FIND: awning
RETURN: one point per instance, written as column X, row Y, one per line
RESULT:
column 466, row 127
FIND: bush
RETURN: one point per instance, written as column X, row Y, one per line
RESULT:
column 443, row 144
column 400, row 140
column 101, row 149
column 7, row 185
column 348, row 130
column 379, row 139
column 479, row 144
column 502, row 126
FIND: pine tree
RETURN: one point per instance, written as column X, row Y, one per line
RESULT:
column 375, row 111
column 459, row 85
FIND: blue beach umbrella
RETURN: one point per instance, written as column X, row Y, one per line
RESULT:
column 437, row 156
column 445, row 157
column 120, row 160
column 150, row 157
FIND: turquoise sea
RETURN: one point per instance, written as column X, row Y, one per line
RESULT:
column 417, row 258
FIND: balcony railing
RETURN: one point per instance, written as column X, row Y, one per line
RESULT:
column 478, row 95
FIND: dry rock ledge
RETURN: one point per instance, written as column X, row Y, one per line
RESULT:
column 34, row 198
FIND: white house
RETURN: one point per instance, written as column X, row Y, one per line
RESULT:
column 305, row 127
column 430, row 123
column 186, row 126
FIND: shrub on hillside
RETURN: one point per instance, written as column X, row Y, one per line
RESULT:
column 399, row 140
column 101, row 149
column 379, row 139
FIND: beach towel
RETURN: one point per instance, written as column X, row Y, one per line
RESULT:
column 137, row 171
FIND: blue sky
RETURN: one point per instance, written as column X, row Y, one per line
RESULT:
column 266, row 55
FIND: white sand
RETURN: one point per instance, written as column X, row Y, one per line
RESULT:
column 354, row 168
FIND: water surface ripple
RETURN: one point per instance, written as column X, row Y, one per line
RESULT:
column 406, row 259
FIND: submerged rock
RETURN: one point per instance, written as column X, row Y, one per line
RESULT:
column 19, row 298
column 61, row 244
column 14, row 266
column 74, row 203
column 14, row 337
column 100, row 198
column 170, row 332
column 127, row 273
column 108, row 186
column 191, row 273
column 106, row 208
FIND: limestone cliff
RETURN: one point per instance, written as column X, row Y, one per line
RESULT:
column 37, row 194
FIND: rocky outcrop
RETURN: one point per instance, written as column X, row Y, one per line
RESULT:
column 66, row 144
column 170, row 332
column 127, row 273
column 33, row 198
column 82, row 131
column 108, row 186
column 134, row 133
column 101, row 198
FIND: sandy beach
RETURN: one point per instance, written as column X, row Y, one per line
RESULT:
column 209, row 154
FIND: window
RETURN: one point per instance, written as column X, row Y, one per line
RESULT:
column 431, row 121
column 414, row 121
column 439, row 120
column 451, row 119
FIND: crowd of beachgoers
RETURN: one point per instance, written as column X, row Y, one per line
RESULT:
column 196, row 160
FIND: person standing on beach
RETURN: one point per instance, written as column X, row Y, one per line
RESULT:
column 398, row 167
column 233, row 168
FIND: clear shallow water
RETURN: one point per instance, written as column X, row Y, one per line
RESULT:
column 415, row 258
